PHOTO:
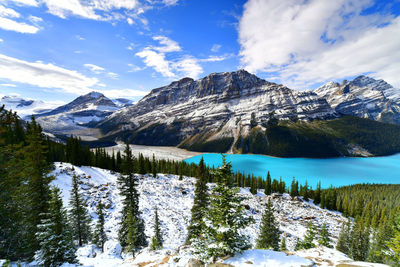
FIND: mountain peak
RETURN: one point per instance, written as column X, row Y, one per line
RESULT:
column 94, row 95
column 363, row 81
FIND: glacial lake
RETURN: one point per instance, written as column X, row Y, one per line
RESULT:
column 333, row 171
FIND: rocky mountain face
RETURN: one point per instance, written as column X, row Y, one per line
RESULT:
column 363, row 97
column 220, row 107
column 78, row 116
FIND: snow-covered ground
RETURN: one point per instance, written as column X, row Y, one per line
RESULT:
column 159, row 152
column 174, row 200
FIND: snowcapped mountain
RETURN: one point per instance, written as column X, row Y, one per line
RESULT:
column 174, row 200
column 25, row 108
column 363, row 97
column 77, row 116
column 215, row 107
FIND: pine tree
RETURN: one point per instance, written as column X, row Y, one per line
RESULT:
column 324, row 239
column 308, row 241
column 156, row 241
column 37, row 169
column 78, row 215
column 55, row 238
column 200, row 204
column 100, row 236
column 344, row 240
column 283, row 244
column 298, row 244
column 225, row 218
column 359, row 241
column 269, row 235
column 268, row 185
column 394, row 243
column 317, row 194
column 131, row 232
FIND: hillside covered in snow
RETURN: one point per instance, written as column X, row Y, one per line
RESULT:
column 174, row 199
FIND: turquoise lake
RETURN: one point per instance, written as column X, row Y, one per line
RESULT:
column 334, row 171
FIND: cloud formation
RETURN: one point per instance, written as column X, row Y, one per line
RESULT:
column 44, row 75
column 155, row 56
column 9, row 21
column 307, row 42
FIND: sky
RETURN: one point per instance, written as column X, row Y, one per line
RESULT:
column 56, row 50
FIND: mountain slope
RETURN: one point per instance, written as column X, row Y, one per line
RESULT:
column 78, row 116
column 216, row 108
column 363, row 97
column 174, row 199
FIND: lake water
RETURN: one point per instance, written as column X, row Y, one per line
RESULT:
column 334, row 171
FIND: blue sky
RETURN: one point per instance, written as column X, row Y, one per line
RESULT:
column 55, row 50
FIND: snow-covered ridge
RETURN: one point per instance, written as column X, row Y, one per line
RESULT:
column 219, row 103
column 174, row 199
column 26, row 107
column 363, row 97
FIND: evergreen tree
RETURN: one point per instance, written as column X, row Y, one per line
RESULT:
column 200, row 204
column 283, row 244
column 269, row 235
column 268, row 185
column 344, row 240
column 394, row 243
column 55, row 238
column 317, row 194
column 294, row 188
column 298, row 244
column 156, row 241
column 225, row 218
column 100, row 236
column 359, row 241
column 131, row 232
column 37, row 169
column 308, row 241
column 78, row 215
column 324, row 239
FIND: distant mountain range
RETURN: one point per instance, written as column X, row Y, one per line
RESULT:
column 240, row 113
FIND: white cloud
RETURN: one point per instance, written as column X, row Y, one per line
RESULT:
column 26, row 2
column 80, row 38
column 8, row 85
column 167, row 45
column 188, row 66
column 130, row 21
column 1, row 40
column 8, row 12
column 134, row 68
column 112, row 75
column 216, row 58
column 11, row 25
column 7, row 22
column 215, row 47
column 170, row 2
column 35, row 19
column 312, row 41
column 94, row 68
column 44, row 75
column 155, row 57
column 157, row 61
column 128, row 93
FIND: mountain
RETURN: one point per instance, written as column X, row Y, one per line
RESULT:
column 25, row 108
column 363, row 97
column 78, row 116
column 219, row 108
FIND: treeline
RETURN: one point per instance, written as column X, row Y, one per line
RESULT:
column 321, row 138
